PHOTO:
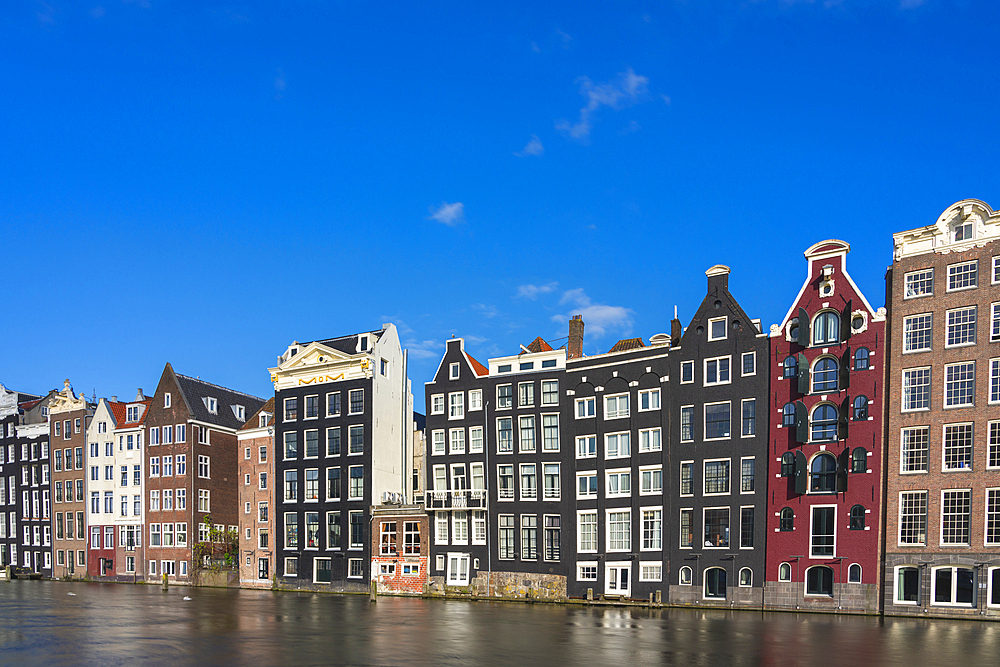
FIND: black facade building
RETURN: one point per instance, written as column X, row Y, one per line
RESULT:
column 343, row 426
column 717, row 459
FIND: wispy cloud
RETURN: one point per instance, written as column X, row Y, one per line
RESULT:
column 626, row 89
column 533, row 147
column 532, row 291
column 486, row 310
column 449, row 214
column 564, row 39
column 424, row 349
column 279, row 83
column 600, row 319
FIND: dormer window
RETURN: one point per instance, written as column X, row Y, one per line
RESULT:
column 292, row 352
column 240, row 412
column 453, row 371
column 131, row 414
column 364, row 343
column 962, row 231
column 211, row 404
column 263, row 419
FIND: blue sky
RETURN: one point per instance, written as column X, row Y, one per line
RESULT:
column 203, row 183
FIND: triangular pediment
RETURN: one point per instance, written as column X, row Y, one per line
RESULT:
column 313, row 354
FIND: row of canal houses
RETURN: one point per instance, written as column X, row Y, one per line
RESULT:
column 846, row 459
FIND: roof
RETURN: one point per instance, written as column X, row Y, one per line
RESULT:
column 118, row 412
column 420, row 421
column 118, row 409
column 539, row 345
column 627, row 344
column 476, row 366
column 27, row 405
column 347, row 344
column 253, row 421
column 194, row 390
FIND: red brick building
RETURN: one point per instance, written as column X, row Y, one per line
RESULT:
column 69, row 418
column 256, row 473
column 825, row 463
column 399, row 548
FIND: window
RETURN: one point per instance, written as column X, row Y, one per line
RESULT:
column 747, row 475
column 715, row 583
column 617, row 445
column 586, row 485
column 717, row 371
column 684, row 577
column 953, row 586
column 784, row 572
column 823, row 474
column 475, row 439
column 650, row 480
column 687, row 528
column 505, row 396
column 453, row 371
column 959, row 384
column 525, row 394
column 915, row 449
column 749, row 363
column 749, row 422
column 505, row 435
column 790, row 367
column 717, row 328
column 355, row 566
column 913, row 518
column 529, row 487
column 526, row 434
column 203, row 467
column 550, row 433
column 862, row 359
column 505, row 528
column 505, row 482
column 437, row 404
column 788, row 415
column 619, row 530
column 529, row 537
column 687, row 372
column 993, row 446
column 460, row 527
column 456, row 441
column 918, row 283
column 411, row 537
column 824, row 423
column 717, row 421
column 357, row 439
column 552, row 489
column 585, row 407
column 861, row 408
column 917, row 332
column 716, row 477
column 291, row 445
column 652, row 529
column 819, row 581
column 437, row 439
column 619, row 483
column 963, row 276
column 456, row 405
column 961, row 327
column 746, row 527
column 826, row 328
column 825, row 374
column 312, row 443
column 857, row 518
column 332, row 442
column 475, row 399
column 291, row 409
column 687, row 478
column 550, row 392
column 917, row 389
column 650, row 571
column 616, row 406
column 786, row 519
column 356, row 399
column 291, row 485
column 356, row 490
column 992, row 517
column 459, row 482
column 994, row 322
column 166, row 400
column 154, row 466
column 823, row 532
column 687, row 423
column 955, row 517
column 649, row 440
column 204, row 497
column 357, row 527
column 717, row 528
column 958, row 446
column 312, row 484
column 649, row 399
column 994, row 381
column 859, row 460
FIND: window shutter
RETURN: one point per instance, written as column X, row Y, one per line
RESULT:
column 845, row 323
column 842, row 419
column 845, row 369
column 803, row 374
column 801, row 422
column 801, row 472
column 842, row 468
column 803, row 327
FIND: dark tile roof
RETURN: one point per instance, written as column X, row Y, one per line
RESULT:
column 539, row 345
column 348, row 344
column 253, row 421
column 194, row 390
column 627, row 344
column 419, row 421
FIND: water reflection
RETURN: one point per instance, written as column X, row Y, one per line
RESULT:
column 108, row 624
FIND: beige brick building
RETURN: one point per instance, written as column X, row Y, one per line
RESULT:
column 943, row 466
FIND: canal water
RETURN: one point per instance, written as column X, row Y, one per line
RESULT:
column 56, row 623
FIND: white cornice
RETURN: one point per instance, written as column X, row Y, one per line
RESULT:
column 32, row 430
column 319, row 364
column 938, row 238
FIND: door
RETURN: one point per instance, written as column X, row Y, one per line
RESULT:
column 324, row 570
column 617, row 578
column 263, row 569
column 458, row 570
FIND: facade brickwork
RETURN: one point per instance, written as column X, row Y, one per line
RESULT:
column 69, row 420
column 257, row 483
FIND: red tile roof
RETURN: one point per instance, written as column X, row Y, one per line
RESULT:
column 27, row 405
column 253, row 421
column 539, row 345
column 627, row 344
column 477, row 367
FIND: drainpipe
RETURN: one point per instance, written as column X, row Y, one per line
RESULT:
column 486, row 492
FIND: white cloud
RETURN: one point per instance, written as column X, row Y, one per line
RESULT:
column 532, row 291
column 564, row 38
column 535, row 48
column 533, row 147
column 449, row 214
column 486, row 310
column 599, row 318
column 424, row 349
column 627, row 89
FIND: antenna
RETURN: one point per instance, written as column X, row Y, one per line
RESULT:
column 675, row 312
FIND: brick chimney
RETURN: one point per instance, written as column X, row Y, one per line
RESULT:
column 574, row 348
column 718, row 277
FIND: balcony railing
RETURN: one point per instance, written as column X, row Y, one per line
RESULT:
column 456, row 500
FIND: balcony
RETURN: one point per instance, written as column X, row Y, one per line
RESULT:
column 456, row 500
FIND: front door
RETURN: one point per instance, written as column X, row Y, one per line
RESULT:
column 458, row 570
column 617, row 578
column 324, row 570
column 262, row 569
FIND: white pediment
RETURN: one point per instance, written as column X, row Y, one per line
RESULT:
column 8, row 401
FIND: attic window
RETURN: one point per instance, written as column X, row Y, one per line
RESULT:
column 527, row 366
column 963, row 231
column 364, row 343
column 453, row 371
column 549, row 363
column 45, row 411
column 294, row 351
column 263, row 419
column 212, row 405
column 503, row 369
column 240, row 412
column 166, row 400
column 132, row 413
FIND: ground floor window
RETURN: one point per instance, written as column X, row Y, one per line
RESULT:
column 715, row 583
column 355, row 568
column 291, row 567
column 854, row 574
column 458, row 569
column 586, row 571
column 184, row 568
column 993, row 599
column 263, row 566
column 60, row 557
column 746, row 577
column 685, row 576
column 411, row 569
column 953, row 585
column 819, row 581
column 651, row 571
column 322, row 570
column 130, row 563
column 907, row 585
column 784, row 572
column 152, row 567
column 81, row 558
column 169, row 568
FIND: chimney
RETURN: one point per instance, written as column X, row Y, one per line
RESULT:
column 139, row 396
column 676, row 331
column 718, row 277
column 114, row 399
column 574, row 348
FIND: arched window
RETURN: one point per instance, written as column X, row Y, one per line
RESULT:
column 963, row 229
column 857, row 518
column 860, row 408
column 791, row 367
column 825, row 374
column 826, row 328
column 784, row 572
column 823, row 474
column 786, row 520
column 788, row 415
column 746, row 577
column 819, row 581
column 861, row 359
column 685, row 576
column 788, row 464
column 854, row 574
column 715, row 583
column 824, row 423
column 859, row 460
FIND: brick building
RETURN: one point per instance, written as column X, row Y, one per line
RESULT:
column 943, row 484
column 399, row 548
column 256, row 480
column 69, row 418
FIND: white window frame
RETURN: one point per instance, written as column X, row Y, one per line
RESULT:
column 717, row 360
column 607, row 530
column 589, row 564
column 947, row 326
column 915, row 274
column 619, row 474
column 589, row 404
column 902, row 394
column 704, row 480
column 652, row 491
column 475, row 400
column 949, row 288
column 944, row 395
column 680, row 478
column 650, row 564
column 954, row 585
column 930, row 340
column 617, row 412
column 994, row 322
column 704, row 421
column 579, row 533
column 618, row 439
column 725, row 328
column 587, row 474
column 687, row 364
column 646, row 443
column 456, row 405
column 454, row 371
column 752, row 355
column 437, row 404
column 651, row 393
column 588, row 440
